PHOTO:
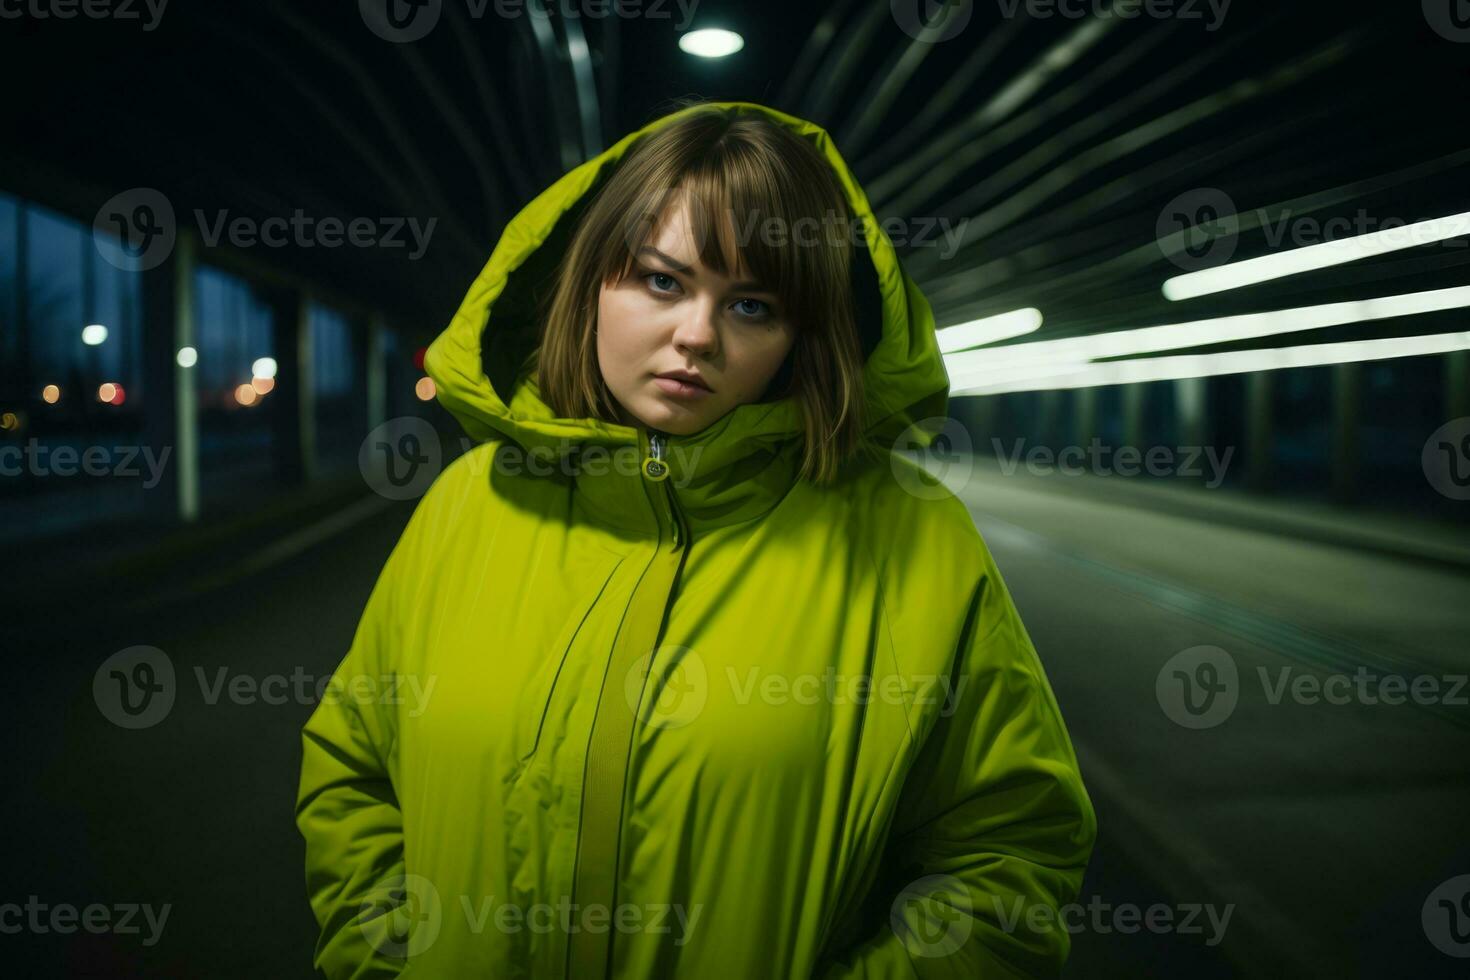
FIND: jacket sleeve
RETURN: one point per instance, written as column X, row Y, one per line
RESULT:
column 346, row 806
column 993, row 827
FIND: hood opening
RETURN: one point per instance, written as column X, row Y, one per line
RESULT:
column 481, row 362
column 505, row 349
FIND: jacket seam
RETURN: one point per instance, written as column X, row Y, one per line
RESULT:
column 888, row 632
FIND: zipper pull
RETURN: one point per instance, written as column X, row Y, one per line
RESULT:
column 654, row 466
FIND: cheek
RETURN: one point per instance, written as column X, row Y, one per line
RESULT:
column 617, row 339
column 763, row 358
column 624, row 337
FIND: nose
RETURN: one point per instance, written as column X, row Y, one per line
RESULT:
column 697, row 334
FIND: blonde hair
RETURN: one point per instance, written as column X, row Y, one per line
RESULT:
column 728, row 164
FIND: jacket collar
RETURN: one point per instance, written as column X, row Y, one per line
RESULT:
column 739, row 467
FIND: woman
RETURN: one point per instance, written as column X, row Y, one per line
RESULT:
column 714, row 684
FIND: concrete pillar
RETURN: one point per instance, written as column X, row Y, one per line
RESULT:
column 377, row 372
column 15, row 348
column 20, row 365
column 1133, row 404
column 1347, row 398
column 1190, row 395
column 1258, row 409
column 186, row 380
column 294, row 419
column 979, row 419
column 1084, row 415
column 1047, row 427
column 1457, row 384
column 172, row 419
column 306, row 388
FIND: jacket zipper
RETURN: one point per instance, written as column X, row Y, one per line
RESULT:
column 656, row 468
column 605, row 777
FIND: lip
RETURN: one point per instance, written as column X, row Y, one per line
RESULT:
column 686, row 378
column 678, row 387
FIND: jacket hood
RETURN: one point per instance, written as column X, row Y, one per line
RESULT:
column 738, row 466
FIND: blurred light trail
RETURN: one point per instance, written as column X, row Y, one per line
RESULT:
column 969, row 368
column 989, row 330
column 1179, row 366
column 1248, row 272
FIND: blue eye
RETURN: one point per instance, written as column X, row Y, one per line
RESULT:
column 665, row 284
column 757, row 314
column 651, row 278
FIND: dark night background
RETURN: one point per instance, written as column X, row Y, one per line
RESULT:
column 1092, row 156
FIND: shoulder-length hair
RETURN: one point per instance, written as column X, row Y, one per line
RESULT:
column 757, row 192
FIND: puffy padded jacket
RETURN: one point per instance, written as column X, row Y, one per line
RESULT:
column 726, row 723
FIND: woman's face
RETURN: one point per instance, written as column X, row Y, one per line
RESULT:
column 672, row 315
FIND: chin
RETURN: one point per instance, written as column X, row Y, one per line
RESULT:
column 673, row 419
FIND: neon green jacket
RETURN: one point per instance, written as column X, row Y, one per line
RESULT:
column 723, row 724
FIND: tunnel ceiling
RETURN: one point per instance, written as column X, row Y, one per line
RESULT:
column 1067, row 143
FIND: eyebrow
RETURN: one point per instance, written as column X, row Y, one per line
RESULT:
column 678, row 267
